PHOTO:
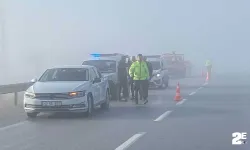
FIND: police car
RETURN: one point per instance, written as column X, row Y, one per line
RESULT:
column 107, row 64
column 67, row 89
column 160, row 77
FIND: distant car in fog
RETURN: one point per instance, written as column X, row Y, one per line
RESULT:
column 107, row 64
column 160, row 78
column 67, row 89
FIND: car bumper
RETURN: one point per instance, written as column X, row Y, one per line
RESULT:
column 67, row 105
column 154, row 83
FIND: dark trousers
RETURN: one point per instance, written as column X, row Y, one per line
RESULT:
column 123, row 87
column 142, row 86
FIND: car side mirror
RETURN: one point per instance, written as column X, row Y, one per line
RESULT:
column 97, row 80
column 33, row 80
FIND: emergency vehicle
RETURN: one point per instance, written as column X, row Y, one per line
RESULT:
column 107, row 64
column 160, row 78
column 176, row 65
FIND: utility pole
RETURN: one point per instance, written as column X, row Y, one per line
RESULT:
column 3, row 56
column 2, row 24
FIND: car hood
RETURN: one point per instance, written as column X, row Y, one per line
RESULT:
column 57, row 87
column 156, row 71
column 107, row 74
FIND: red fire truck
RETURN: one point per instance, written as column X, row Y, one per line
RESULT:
column 176, row 65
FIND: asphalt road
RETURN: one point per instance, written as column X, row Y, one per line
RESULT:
column 205, row 120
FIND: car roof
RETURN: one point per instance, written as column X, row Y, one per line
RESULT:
column 73, row 66
column 153, row 59
column 105, row 58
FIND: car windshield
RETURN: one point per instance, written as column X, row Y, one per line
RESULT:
column 104, row 66
column 156, row 65
column 65, row 74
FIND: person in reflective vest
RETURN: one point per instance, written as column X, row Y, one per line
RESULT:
column 139, row 72
column 131, row 81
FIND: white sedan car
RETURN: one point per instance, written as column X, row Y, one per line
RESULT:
column 67, row 89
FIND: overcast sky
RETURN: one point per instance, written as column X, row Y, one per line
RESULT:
column 47, row 32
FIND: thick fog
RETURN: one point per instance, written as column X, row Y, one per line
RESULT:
column 42, row 33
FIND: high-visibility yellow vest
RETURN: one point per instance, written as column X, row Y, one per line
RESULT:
column 139, row 70
column 208, row 63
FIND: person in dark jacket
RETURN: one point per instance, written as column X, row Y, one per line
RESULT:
column 150, row 70
column 123, row 78
column 150, row 67
column 132, row 84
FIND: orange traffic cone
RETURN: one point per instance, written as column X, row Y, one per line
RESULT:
column 178, row 93
column 207, row 79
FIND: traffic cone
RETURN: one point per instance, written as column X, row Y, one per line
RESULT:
column 178, row 93
column 207, row 79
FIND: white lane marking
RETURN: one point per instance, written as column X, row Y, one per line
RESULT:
column 130, row 141
column 13, row 126
column 196, row 91
column 205, row 83
column 181, row 102
column 161, row 117
column 192, row 93
column 199, row 88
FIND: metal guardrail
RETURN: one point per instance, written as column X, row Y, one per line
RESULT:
column 20, row 87
column 15, row 88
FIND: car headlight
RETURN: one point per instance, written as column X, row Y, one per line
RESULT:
column 29, row 95
column 158, row 75
column 77, row 94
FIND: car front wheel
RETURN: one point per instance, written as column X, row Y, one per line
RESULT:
column 114, row 91
column 167, row 83
column 90, row 106
column 163, row 84
column 32, row 115
column 105, row 105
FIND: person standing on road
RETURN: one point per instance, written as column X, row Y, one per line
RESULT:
column 123, row 78
column 139, row 72
column 132, row 84
column 150, row 70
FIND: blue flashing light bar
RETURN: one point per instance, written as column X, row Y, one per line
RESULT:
column 103, row 55
column 96, row 55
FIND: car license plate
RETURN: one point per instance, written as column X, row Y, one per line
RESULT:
column 51, row 103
